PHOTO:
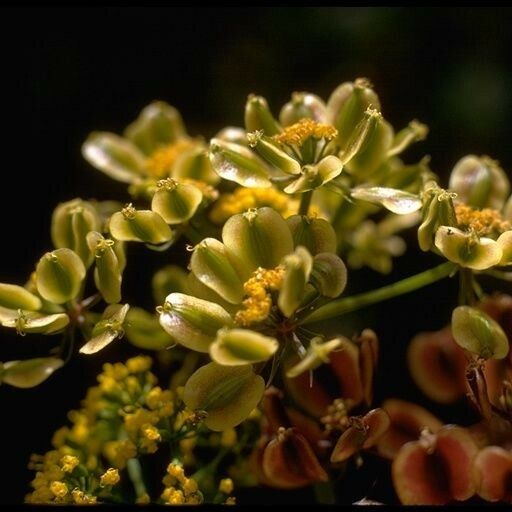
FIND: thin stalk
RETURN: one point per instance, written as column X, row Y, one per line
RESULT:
column 305, row 201
column 135, row 473
column 409, row 284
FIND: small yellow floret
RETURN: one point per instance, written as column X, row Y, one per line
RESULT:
column 298, row 133
column 59, row 489
column 69, row 463
column 483, row 222
column 226, row 486
column 110, row 477
column 160, row 163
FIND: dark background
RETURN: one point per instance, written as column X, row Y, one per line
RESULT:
column 66, row 72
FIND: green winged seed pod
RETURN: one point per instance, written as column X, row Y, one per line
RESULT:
column 71, row 221
column 235, row 347
column 192, row 322
column 428, row 227
column 259, row 117
column 107, row 274
column 373, row 152
column 168, row 279
column 29, row 373
column 275, row 157
column 396, row 201
column 212, row 265
column 329, row 274
column 467, row 249
column 158, row 124
column 478, row 333
column 314, row 176
column 315, row 234
column 131, row 225
column 29, row 322
column 107, row 329
column 414, row 132
column 347, row 104
column 176, row 202
column 59, row 275
column 303, row 105
column 316, row 355
column 13, row 296
column 238, row 163
column 195, row 164
column 233, row 134
column 259, row 238
column 298, row 266
column 143, row 330
column 480, row 182
column 505, row 243
column 115, row 156
column 227, row 394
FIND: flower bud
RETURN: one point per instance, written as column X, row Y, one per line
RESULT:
column 303, row 105
column 238, row 163
column 176, row 202
column 107, row 329
column 396, row 201
column 259, row 238
column 466, row 249
column 347, row 104
column 192, row 322
column 29, row 373
column 143, row 330
column 71, row 221
column 107, row 274
column 131, row 225
column 314, row 176
column 235, row 347
column 478, row 333
column 329, row 274
column 212, row 265
column 259, row 117
column 158, row 124
column 195, row 164
column 59, row 275
column 116, row 157
column 276, row 157
column 35, row 323
column 480, row 182
column 16, row 297
column 317, row 354
column 227, row 394
column 168, row 279
column 298, row 267
column 315, row 234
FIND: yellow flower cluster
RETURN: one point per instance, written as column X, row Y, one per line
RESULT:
column 483, row 222
column 298, row 133
column 256, row 307
column 159, row 164
column 179, row 489
column 110, row 477
column 243, row 199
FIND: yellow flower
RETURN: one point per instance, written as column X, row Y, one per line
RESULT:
column 226, row 486
column 109, row 478
column 59, row 489
column 69, row 463
column 138, row 364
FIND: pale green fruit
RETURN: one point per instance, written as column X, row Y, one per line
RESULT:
column 195, row 164
column 192, row 322
column 315, row 234
column 272, row 154
column 238, row 163
column 478, row 333
column 29, row 373
column 168, row 279
column 175, row 202
column 118, row 158
column 235, row 347
column 303, row 105
column 314, row 176
column 396, row 201
column 329, row 274
column 143, row 330
column 158, row 124
column 259, row 117
column 16, row 297
column 59, row 275
column 317, row 354
column 32, row 323
column 227, row 394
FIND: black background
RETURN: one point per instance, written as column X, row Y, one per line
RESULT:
column 66, row 72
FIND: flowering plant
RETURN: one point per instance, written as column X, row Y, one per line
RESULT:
column 254, row 390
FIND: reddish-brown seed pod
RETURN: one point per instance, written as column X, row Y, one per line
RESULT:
column 407, row 422
column 289, row 461
column 437, row 365
column 492, row 471
column 368, row 357
column 436, row 469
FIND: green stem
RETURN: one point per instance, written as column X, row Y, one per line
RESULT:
column 305, row 201
column 135, row 473
column 409, row 284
